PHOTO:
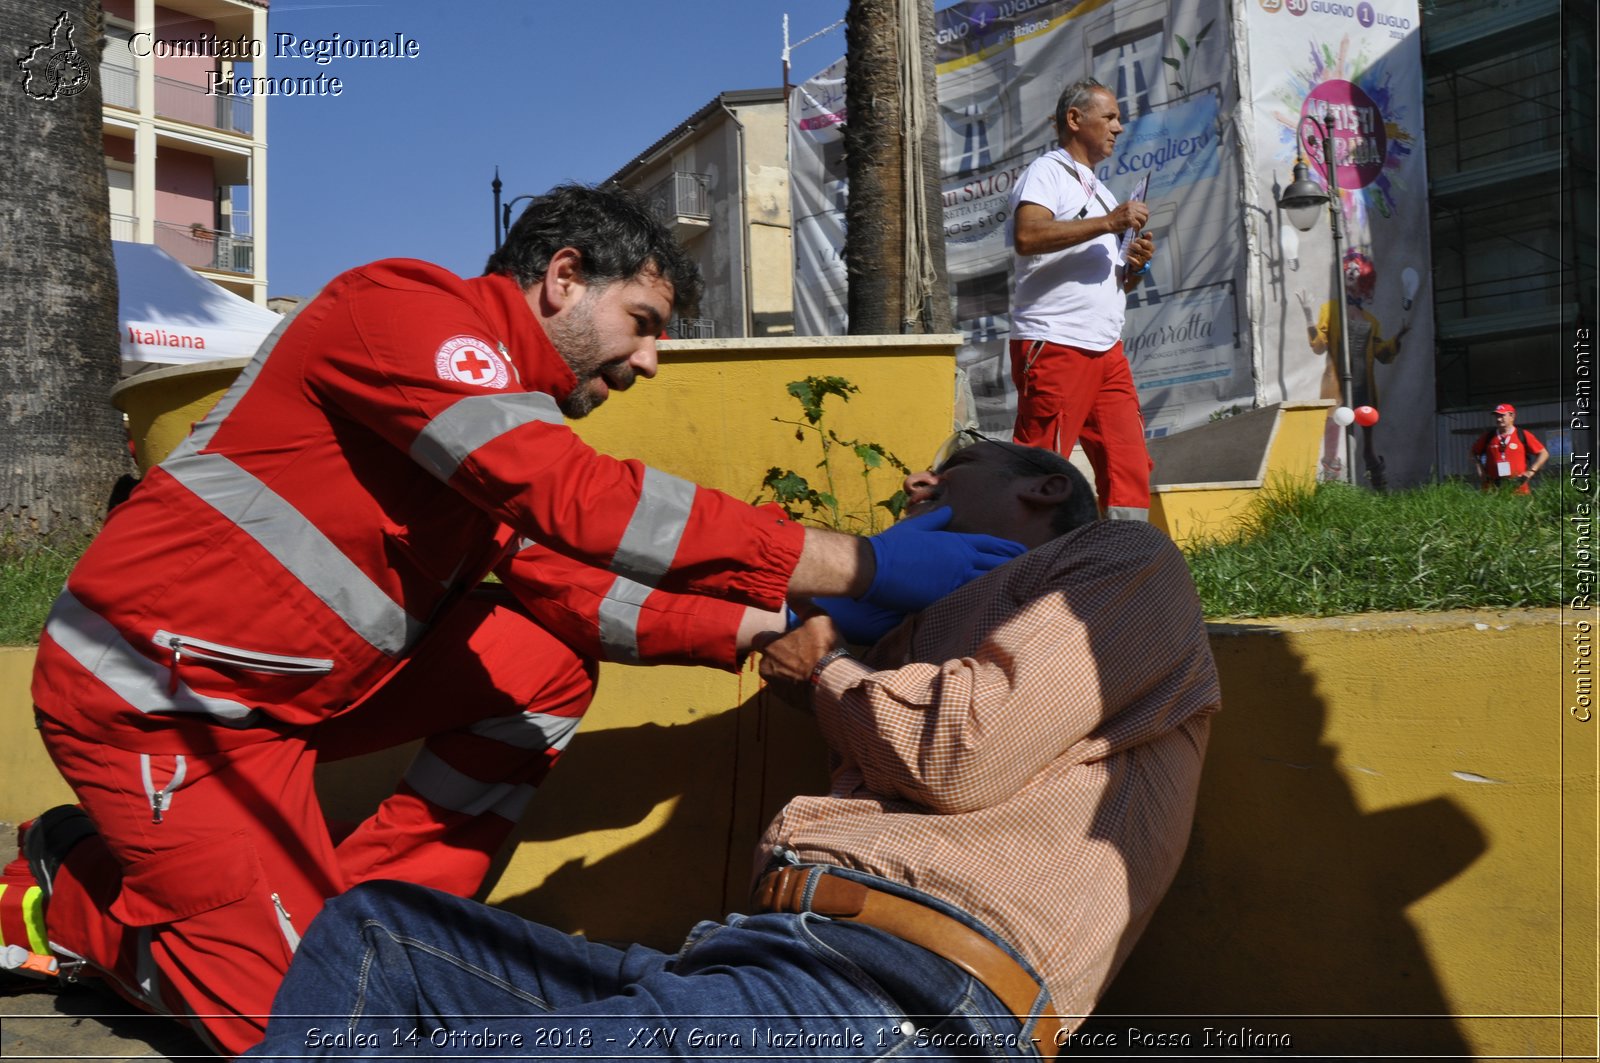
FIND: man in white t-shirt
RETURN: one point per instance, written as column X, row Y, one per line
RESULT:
column 1072, row 378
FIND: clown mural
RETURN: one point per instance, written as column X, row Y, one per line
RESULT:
column 1367, row 349
column 1341, row 95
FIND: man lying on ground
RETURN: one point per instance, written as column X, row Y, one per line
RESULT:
column 1014, row 782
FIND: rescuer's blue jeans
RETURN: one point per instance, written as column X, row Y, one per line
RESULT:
column 397, row 970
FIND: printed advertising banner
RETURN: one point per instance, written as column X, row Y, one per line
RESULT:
column 1221, row 323
column 1350, row 72
column 818, row 191
column 1001, row 67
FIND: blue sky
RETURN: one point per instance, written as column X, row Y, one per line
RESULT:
column 400, row 163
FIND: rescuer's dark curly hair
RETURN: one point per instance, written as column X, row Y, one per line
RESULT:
column 612, row 228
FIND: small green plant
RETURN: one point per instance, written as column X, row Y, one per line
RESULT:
column 794, row 492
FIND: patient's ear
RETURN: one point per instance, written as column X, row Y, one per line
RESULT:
column 1046, row 492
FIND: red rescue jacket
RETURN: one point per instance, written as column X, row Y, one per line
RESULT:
column 383, row 450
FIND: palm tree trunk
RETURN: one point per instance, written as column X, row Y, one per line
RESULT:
column 62, row 445
column 876, row 217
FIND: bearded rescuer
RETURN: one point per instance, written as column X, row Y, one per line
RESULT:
column 295, row 583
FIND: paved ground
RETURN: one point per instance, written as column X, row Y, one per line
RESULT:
column 83, row 1022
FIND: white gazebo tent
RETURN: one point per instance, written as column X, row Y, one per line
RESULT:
column 167, row 314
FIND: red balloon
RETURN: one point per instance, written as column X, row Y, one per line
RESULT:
column 1366, row 416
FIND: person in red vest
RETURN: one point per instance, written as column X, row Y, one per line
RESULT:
column 1508, row 453
column 299, row 582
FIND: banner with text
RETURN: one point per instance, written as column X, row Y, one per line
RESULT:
column 1348, row 74
column 819, row 187
column 1001, row 67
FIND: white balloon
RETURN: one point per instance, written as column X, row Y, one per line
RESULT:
column 1344, row 415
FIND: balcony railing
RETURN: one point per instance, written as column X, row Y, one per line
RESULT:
column 119, row 86
column 692, row 328
column 681, row 197
column 193, row 104
column 200, row 248
column 124, row 227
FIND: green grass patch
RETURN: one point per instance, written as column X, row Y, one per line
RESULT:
column 1333, row 549
column 30, row 580
column 1327, row 550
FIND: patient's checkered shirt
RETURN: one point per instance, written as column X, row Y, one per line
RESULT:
column 1028, row 749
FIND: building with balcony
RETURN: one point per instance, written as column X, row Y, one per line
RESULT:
column 721, row 180
column 1510, row 113
column 186, row 163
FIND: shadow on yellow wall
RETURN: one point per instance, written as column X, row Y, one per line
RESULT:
column 709, row 787
column 1293, row 900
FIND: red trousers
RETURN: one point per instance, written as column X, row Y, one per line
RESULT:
column 195, row 910
column 1067, row 396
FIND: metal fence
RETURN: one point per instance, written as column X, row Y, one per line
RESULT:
column 683, row 195
column 692, row 328
column 119, row 86
column 200, row 248
column 192, row 103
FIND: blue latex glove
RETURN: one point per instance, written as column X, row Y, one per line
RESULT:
column 918, row 563
column 858, row 621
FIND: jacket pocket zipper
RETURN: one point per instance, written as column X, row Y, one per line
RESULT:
column 234, row 657
column 285, row 926
column 161, row 800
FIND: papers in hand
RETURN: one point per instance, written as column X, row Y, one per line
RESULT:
column 1128, row 236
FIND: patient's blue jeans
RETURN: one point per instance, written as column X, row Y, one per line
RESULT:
column 397, row 970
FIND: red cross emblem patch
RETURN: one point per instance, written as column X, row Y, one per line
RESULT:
column 469, row 360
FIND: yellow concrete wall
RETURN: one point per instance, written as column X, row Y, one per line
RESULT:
column 162, row 405
column 1190, row 512
column 29, row 783
column 701, row 780
column 708, row 415
column 1397, row 818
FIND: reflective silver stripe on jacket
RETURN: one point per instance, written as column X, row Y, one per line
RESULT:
column 619, row 620
column 448, row 788
column 528, row 730
column 100, row 649
column 656, row 527
column 459, row 430
column 300, row 547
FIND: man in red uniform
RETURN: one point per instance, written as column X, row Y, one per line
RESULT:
column 295, row 583
column 1503, row 454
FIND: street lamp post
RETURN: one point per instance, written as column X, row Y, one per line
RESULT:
column 495, row 184
column 502, row 214
column 1300, row 202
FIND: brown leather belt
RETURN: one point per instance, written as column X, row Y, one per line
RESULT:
column 838, row 897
